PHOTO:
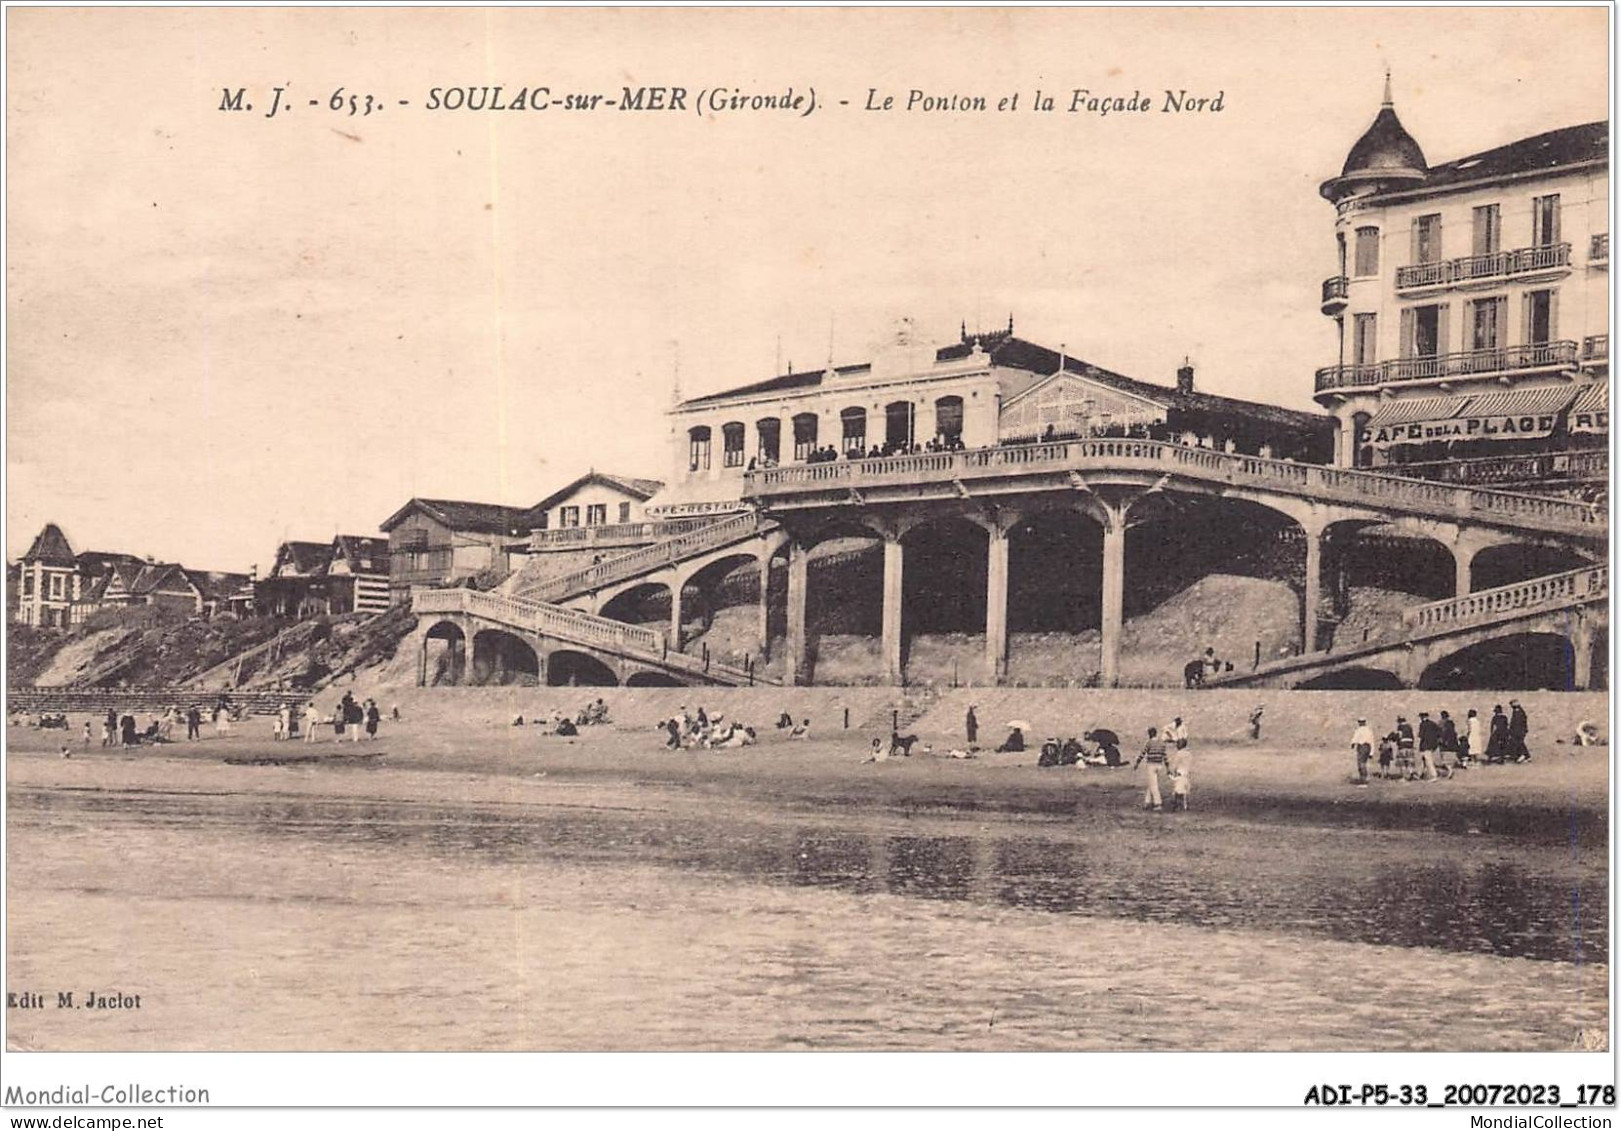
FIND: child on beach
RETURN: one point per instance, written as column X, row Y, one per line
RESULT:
column 1180, row 765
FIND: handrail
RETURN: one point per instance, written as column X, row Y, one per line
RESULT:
column 615, row 533
column 1577, row 586
column 1489, row 266
column 1464, row 363
column 706, row 537
column 1314, row 481
column 1534, row 468
column 574, row 626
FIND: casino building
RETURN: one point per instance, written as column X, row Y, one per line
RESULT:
column 982, row 390
column 1472, row 307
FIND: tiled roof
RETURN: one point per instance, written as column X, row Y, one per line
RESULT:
column 216, row 584
column 51, row 548
column 94, row 562
column 642, row 489
column 306, row 559
column 1016, row 353
column 168, row 577
column 363, row 555
column 1038, row 362
column 483, row 518
column 1568, row 146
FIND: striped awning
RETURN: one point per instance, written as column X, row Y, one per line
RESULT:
column 1523, row 402
column 1591, row 412
column 1416, row 410
column 1594, row 398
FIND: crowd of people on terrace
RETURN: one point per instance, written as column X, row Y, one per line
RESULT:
column 1158, row 431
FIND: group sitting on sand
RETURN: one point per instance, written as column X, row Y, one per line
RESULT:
column 1437, row 748
column 561, row 723
column 703, row 731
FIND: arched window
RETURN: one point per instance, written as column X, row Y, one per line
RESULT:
column 770, row 433
column 804, row 435
column 698, row 448
column 898, row 426
column 854, row 422
column 731, row 444
column 948, row 418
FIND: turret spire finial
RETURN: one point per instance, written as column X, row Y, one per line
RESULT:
column 1389, row 101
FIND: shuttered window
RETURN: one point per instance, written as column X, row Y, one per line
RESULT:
column 1545, row 220
column 1488, row 235
column 1427, row 238
column 1367, row 252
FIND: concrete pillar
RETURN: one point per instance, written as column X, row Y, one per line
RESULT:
column 996, row 581
column 798, row 584
column 1313, row 590
column 1114, row 593
column 1463, row 560
column 675, row 616
column 894, row 554
column 1581, row 643
column 422, row 663
column 765, row 609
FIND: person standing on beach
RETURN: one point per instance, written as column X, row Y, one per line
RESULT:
column 194, row 723
column 1473, row 743
column 109, row 727
column 1497, row 742
column 1518, row 727
column 1429, row 741
column 312, row 719
column 1362, row 744
column 1449, row 737
column 1152, row 761
column 970, row 725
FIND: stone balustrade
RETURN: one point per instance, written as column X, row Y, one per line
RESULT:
column 710, row 535
column 1312, row 481
column 1574, row 587
column 573, row 626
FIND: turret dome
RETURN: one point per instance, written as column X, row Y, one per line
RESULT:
column 1385, row 153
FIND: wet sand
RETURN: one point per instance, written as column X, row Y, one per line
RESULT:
column 483, row 887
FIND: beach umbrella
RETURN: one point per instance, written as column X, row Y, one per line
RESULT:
column 1018, row 724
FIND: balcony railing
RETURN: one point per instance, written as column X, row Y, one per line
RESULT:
column 1596, row 347
column 833, row 483
column 1335, row 289
column 1552, row 468
column 1469, row 363
column 1468, row 268
column 1598, row 249
column 613, row 534
column 1579, row 586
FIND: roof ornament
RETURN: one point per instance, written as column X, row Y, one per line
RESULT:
column 1063, row 362
column 1010, row 322
column 1389, row 101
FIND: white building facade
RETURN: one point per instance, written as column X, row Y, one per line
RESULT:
column 1472, row 307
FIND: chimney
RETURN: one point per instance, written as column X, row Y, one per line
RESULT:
column 1184, row 377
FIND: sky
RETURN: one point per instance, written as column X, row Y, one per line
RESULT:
column 225, row 330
